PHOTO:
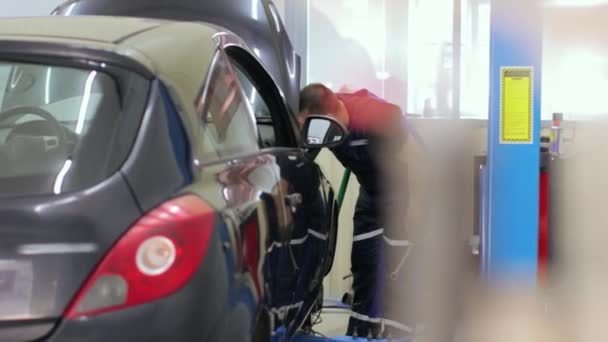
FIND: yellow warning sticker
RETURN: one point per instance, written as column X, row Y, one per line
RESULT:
column 516, row 113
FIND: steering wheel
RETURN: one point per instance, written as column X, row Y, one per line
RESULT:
column 57, row 128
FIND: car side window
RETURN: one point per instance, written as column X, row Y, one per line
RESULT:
column 228, row 127
column 266, row 129
column 264, row 99
column 4, row 74
column 258, row 104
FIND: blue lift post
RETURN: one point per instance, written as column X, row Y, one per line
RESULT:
column 513, row 142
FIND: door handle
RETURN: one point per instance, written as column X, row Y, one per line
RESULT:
column 293, row 200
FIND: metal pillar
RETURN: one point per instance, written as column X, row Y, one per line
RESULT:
column 513, row 141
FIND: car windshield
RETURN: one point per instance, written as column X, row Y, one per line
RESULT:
column 65, row 128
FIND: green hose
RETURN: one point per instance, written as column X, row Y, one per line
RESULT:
column 343, row 187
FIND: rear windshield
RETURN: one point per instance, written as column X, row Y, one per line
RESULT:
column 64, row 128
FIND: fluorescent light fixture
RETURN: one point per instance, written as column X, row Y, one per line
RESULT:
column 70, row 9
column 254, row 9
column 84, row 106
column 252, row 95
column 61, row 176
column 47, row 86
column 383, row 75
column 17, row 74
column 290, row 70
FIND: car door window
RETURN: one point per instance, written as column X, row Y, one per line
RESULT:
column 228, row 127
column 4, row 73
column 258, row 104
column 263, row 118
column 270, row 111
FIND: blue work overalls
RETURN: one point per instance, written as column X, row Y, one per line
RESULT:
column 375, row 275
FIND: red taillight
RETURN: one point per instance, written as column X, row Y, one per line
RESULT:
column 154, row 259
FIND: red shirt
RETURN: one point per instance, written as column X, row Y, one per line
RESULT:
column 371, row 114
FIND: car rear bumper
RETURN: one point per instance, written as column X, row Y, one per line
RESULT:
column 205, row 310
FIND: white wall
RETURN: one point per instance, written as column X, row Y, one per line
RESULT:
column 575, row 67
column 22, row 8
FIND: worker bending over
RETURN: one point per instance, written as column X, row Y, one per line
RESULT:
column 376, row 136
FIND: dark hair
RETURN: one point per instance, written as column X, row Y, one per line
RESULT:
column 318, row 99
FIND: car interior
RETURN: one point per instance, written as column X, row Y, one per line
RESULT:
column 41, row 126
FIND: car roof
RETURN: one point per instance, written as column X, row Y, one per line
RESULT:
column 177, row 52
column 94, row 29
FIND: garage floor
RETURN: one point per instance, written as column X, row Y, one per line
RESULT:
column 333, row 322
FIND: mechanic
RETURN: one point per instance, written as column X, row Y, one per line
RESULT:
column 376, row 136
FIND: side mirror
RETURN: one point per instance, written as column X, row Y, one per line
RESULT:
column 323, row 131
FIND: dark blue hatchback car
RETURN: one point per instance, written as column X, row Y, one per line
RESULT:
column 153, row 185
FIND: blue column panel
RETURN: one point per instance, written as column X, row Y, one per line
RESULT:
column 513, row 169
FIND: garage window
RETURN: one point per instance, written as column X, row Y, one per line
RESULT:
column 430, row 57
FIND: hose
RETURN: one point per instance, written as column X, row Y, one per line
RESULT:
column 343, row 187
